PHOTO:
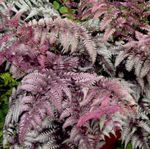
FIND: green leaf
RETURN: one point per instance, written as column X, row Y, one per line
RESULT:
column 129, row 146
column 56, row 5
column 73, row 11
column 63, row 10
column 8, row 80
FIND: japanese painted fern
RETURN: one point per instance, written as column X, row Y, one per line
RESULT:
column 75, row 89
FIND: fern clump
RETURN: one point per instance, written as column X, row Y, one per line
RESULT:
column 82, row 79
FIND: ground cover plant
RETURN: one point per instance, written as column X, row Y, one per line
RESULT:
column 80, row 73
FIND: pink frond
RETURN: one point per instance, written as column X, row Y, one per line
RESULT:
column 97, row 114
column 108, row 33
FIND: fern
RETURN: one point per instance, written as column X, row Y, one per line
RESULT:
column 116, row 16
column 30, row 9
column 136, row 129
column 76, row 136
column 77, row 88
column 136, row 54
column 43, row 90
column 60, row 28
column 96, row 100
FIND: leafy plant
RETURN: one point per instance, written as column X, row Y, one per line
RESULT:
column 120, row 17
column 6, row 85
column 78, row 87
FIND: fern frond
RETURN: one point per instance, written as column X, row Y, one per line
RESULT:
column 115, row 16
column 97, row 114
column 72, row 32
column 31, row 9
column 136, row 57
column 136, row 131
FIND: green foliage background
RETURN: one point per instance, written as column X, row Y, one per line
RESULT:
column 6, row 85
